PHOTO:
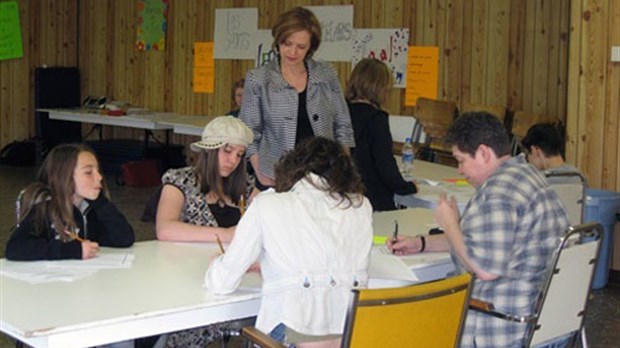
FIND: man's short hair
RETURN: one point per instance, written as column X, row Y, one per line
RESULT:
column 547, row 136
column 472, row 129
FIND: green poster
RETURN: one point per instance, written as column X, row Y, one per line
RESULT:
column 152, row 16
column 10, row 31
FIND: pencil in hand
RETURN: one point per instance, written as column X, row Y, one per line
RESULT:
column 74, row 236
column 242, row 204
column 219, row 243
column 395, row 234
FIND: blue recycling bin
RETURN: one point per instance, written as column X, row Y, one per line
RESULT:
column 601, row 207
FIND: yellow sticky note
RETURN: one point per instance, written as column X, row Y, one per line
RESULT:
column 380, row 240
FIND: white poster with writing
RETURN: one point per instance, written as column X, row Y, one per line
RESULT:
column 262, row 42
column 388, row 45
column 337, row 32
column 234, row 30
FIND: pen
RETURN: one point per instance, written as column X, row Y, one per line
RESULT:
column 395, row 235
column 219, row 243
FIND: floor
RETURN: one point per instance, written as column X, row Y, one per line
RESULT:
column 602, row 321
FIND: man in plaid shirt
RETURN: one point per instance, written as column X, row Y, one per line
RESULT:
column 506, row 234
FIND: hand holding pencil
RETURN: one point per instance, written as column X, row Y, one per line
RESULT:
column 89, row 249
column 219, row 243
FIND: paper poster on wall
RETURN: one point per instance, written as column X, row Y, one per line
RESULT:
column 234, row 29
column 152, row 23
column 204, row 67
column 10, row 31
column 388, row 45
column 337, row 32
column 423, row 74
column 262, row 43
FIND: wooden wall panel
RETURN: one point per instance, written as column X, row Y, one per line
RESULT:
column 594, row 92
column 510, row 52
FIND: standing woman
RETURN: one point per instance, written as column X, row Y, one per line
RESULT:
column 367, row 89
column 293, row 97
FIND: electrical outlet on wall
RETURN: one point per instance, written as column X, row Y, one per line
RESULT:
column 615, row 53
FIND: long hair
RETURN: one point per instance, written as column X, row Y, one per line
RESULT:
column 208, row 175
column 50, row 198
column 327, row 159
column 370, row 79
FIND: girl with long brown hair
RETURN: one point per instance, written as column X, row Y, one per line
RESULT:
column 66, row 213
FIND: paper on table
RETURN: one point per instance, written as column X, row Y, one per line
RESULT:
column 36, row 272
column 384, row 265
column 427, row 181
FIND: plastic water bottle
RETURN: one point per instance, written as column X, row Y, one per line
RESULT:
column 407, row 159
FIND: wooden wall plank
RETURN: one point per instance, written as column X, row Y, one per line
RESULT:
column 593, row 64
column 453, row 51
column 573, row 140
column 516, row 55
column 529, row 55
column 541, row 57
column 497, row 41
column 613, row 110
column 562, row 62
column 479, row 54
column 611, row 163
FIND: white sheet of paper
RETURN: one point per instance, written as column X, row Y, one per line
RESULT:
column 36, row 272
column 384, row 265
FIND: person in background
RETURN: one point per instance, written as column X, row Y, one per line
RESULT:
column 237, row 98
column 544, row 146
column 505, row 235
column 366, row 91
column 201, row 203
column 312, row 237
column 66, row 213
column 293, row 97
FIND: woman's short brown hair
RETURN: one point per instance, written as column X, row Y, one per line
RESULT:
column 292, row 21
column 370, row 80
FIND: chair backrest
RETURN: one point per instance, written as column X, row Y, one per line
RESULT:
column 434, row 117
column 495, row 110
column 571, row 189
column 562, row 302
column 427, row 315
column 521, row 122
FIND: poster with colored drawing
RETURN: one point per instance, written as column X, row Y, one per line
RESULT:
column 336, row 32
column 152, row 22
column 387, row 45
column 10, row 31
column 262, row 42
column 234, row 28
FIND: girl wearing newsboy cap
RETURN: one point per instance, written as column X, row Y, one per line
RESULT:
column 201, row 203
